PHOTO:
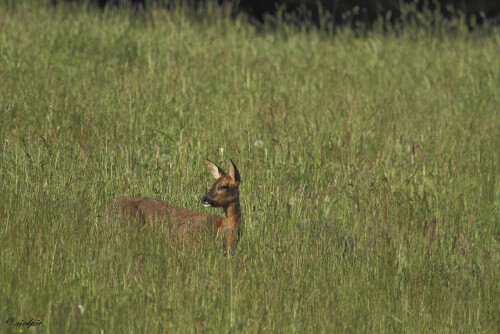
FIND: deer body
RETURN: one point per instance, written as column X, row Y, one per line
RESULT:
column 185, row 223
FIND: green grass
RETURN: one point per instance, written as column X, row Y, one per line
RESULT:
column 372, row 205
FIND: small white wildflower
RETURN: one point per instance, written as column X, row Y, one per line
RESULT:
column 163, row 157
column 258, row 143
column 81, row 308
column 293, row 200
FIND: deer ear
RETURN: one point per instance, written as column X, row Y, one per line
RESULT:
column 233, row 172
column 215, row 170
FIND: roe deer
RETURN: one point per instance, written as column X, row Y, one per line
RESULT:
column 186, row 223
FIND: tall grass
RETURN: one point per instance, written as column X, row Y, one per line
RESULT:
column 370, row 169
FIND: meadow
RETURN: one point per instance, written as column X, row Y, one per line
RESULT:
column 370, row 167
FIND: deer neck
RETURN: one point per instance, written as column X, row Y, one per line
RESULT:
column 233, row 214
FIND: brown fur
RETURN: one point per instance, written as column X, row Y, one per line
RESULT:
column 185, row 223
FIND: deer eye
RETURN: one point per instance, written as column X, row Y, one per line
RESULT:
column 223, row 187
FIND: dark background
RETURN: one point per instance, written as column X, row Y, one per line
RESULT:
column 365, row 11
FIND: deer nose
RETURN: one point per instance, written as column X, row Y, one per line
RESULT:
column 207, row 201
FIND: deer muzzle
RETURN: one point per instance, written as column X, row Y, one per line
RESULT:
column 207, row 202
